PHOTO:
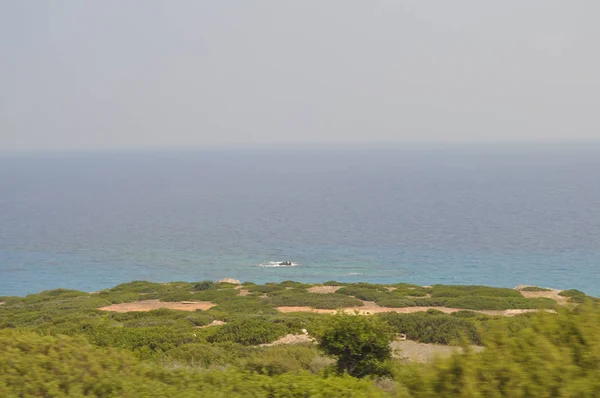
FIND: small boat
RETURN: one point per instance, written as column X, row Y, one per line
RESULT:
column 285, row 263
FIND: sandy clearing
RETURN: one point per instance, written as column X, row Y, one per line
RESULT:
column 369, row 310
column 149, row 305
column 213, row 323
column 551, row 294
column 420, row 352
column 324, row 289
column 291, row 339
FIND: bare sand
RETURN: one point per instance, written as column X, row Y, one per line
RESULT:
column 149, row 305
column 420, row 352
column 291, row 339
column 552, row 294
column 213, row 323
column 324, row 289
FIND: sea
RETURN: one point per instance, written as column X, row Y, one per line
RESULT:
column 497, row 215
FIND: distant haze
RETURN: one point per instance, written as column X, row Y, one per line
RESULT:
column 185, row 74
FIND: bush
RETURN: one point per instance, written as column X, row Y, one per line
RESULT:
column 557, row 355
column 500, row 303
column 249, row 331
column 396, row 302
column 214, row 295
column 432, row 327
column 295, row 285
column 574, row 295
column 36, row 366
column 265, row 289
column 205, row 355
column 204, row 285
column 279, row 359
column 474, row 290
column 360, row 344
column 314, row 300
column 364, row 293
column 399, row 302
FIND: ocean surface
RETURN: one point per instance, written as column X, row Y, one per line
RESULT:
column 477, row 215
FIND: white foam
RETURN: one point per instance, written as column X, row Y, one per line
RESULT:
column 277, row 264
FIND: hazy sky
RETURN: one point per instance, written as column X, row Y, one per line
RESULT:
column 135, row 74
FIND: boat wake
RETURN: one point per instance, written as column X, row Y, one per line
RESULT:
column 279, row 264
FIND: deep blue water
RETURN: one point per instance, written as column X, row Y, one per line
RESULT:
column 475, row 215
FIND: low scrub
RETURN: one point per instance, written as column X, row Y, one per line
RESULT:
column 432, row 328
column 500, row 303
column 314, row 300
column 472, row 290
column 249, row 331
column 574, row 295
column 214, row 295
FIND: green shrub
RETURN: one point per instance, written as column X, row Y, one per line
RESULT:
column 216, row 295
column 279, row 359
column 396, row 302
column 205, row 355
column 295, row 285
column 364, row 293
column 36, row 366
column 249, row 331
column 472, row 290
column 557, row 355
column 204, row 285
column 333, row 283
column 574, row 295
column 265, row 289
column 314, row 300
column 466, row 314
column 500, row 303
column 432, row 327
column 360, row 344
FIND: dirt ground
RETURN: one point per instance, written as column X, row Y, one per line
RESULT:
column 420, row 352
column 552, row 294
column 324, row 289
column 291, row 339
column 371, row 308
column 149, row 305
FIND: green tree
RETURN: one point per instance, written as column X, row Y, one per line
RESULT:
column 360, row 344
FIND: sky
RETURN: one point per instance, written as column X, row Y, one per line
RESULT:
column 115, row 74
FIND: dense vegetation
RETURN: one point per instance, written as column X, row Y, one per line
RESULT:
column 58, row 343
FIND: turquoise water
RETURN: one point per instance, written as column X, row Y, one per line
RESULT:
column 498, row 217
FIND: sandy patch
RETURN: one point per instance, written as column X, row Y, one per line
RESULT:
column 291, row 339
column 552, row 294
column 421, row 352
column 370, row 310
column 244, row 292
column 324, row 289
column 213, row 323
column 149, row 305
